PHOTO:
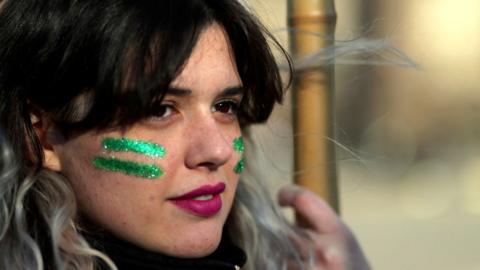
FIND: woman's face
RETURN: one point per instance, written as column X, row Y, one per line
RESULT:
column 197, row 126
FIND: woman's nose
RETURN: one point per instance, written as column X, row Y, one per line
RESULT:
column 209, row 147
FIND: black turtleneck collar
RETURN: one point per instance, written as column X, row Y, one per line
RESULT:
column 130, row 257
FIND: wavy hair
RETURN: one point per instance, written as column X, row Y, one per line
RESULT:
column 98, row 64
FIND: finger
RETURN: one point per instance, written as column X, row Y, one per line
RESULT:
column 338, row 251
column 310, row 208
column 329, row 251
column 303, row 244
column 324, row 251
column 311, row 253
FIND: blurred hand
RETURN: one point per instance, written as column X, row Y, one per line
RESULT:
column 332, row 243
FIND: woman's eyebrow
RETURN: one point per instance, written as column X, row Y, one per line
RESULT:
column 229, row 91
column 178, row 91
column 233, row 91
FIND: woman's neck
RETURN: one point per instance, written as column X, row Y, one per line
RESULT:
column 127, row 256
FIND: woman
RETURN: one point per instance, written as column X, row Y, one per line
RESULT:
column 125, row 121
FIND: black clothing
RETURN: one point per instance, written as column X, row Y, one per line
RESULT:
column 130, row 257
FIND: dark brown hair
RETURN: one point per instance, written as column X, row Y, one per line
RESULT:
column 95, row 64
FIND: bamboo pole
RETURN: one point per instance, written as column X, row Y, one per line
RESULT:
column 313, row 91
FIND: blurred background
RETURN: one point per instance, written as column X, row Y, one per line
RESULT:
column 409, row 171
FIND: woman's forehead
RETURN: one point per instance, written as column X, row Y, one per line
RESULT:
column 212, row 43
column 211, row 64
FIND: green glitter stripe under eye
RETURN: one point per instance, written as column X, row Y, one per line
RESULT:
column 240, row 166
column 136, row 146
column 148, row 171
column 238, row 145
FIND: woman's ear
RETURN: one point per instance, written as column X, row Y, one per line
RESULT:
column 45, row 131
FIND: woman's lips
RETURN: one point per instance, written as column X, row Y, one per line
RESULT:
column 204, row 201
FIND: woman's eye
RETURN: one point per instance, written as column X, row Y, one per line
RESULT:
column 164, row 111
column 227, row 107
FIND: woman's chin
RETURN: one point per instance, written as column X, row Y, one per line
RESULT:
column 194, row 248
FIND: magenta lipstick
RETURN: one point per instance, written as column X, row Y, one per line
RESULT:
column 204, row 201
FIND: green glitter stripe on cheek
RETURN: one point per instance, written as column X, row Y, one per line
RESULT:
column 148, row 171
column 240, row 166
column 136, row 146
column 238, row 145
